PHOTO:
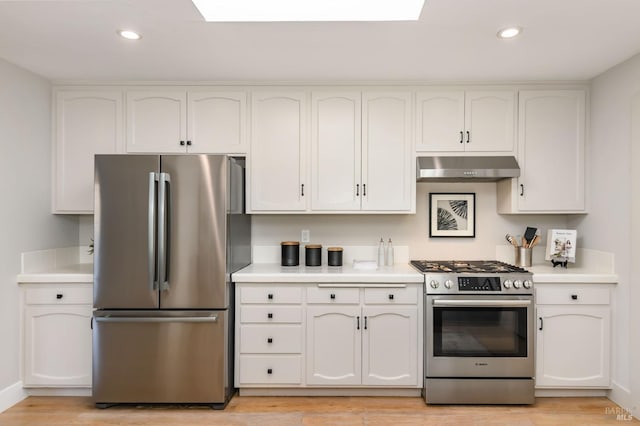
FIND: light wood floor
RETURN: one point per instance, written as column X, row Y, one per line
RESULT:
column 313, row 411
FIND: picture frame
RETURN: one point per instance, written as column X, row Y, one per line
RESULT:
column 452, row 214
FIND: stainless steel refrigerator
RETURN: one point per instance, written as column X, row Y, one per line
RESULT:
column 169, row 230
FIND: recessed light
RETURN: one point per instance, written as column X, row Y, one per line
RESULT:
column 309, row 10
column 129, row 35
column 509, row 32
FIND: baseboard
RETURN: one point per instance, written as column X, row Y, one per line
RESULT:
column 622, row 397
column 58, row 391
column 404, row 392
column 11, row 395
column 569, row 393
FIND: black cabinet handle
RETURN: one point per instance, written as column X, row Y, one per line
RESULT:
column 270, row 296
column 364, row 189
column 521, row 190
column 357, row 189
column 302, row 190
column 391, row 297
column 574, row 297
column 270, row 340
column 332, row 296
column 270, row 315
column 269, row 371
column 365, row 323
column 357, row 323
column 461, row 137
column 188, row 143
column 59, row 296
column 181, row 143
column 468, row 137
column 541, row 323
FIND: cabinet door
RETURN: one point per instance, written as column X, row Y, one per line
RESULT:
column 572, row 349
column 57, row 345
column 390, row 346
column 334, row 345
column 156, row 121
column 277, row 165
column 86, row 123
column 489, row 121
column 388, row 161
column 216, row 122
column 335, row 151
column 440, row 121
column 551, row 148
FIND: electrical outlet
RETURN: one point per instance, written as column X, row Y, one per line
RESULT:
column 305, row 236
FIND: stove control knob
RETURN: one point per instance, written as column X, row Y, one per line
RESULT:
column 434, row 284
column 448, row 284
column 507, row 284
column 517, row 284
column 527, row 284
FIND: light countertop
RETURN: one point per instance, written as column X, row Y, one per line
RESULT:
column 75, row 273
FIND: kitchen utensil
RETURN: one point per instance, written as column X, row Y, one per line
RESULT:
column 511, row 240
column 534, row 241
column 529, row 233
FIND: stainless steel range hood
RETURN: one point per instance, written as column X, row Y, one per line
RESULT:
column 461, row 169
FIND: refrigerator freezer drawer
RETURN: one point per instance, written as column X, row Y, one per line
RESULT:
column 161, row 357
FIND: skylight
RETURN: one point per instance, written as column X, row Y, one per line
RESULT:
column 308, row 10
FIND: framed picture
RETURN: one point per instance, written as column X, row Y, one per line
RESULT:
column 452, row 214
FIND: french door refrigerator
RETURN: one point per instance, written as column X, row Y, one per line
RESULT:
column 169, row 230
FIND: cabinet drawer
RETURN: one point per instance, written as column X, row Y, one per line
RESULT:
column 271, row 339
column 391, row 296
column 277, row 369
column 270, row 294
column 572, row 295
column 271, row 314
column 333, row 295
column 59, row 296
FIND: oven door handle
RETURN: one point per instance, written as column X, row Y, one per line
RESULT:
column 482, row 303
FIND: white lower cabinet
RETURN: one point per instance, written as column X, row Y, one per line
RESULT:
column 57, row 335
column 310, row 335
column 573, row 336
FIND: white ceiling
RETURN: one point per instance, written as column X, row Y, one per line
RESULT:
column 455, row 40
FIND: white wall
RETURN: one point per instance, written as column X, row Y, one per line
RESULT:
column 409, row 230
column 25, row 187
column 634, row 329
column 608, row 225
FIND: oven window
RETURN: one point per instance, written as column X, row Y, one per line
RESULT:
column 484, row 332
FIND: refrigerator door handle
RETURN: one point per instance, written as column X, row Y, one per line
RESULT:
column 151, row 243
column 212, row 318
column 164, row 209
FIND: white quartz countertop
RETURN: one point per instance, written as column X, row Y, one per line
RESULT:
column 269, row 272
column 546, row 273
column 75, row 273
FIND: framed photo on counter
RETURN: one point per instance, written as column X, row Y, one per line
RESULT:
column 452, row 215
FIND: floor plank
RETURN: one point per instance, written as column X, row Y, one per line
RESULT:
column 317, row 411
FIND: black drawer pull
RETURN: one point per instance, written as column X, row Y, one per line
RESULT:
column 391, row 297
column 270, row 315
column 189, row 143
column 332, row 296
column 269, row 371
column 269, row 339
column 574, row 297
column 270, row 296
column 181, row 143
column 59, row 296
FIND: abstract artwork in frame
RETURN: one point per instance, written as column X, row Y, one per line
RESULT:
column 452, row 215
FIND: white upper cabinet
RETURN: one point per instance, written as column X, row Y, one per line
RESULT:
column 177, row 121
column 277, row 165
column 477, row 121
column 551, row 150
column 362, row 152
column 87, row 122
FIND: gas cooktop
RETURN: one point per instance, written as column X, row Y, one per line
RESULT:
column 468, row 266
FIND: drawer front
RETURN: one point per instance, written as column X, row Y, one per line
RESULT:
column 572, row 295
column 59, row 296
column 271, row 339
column 270, row 294
column 333, row 295
column 277, row 369
column 391, row 296
column 271, row 314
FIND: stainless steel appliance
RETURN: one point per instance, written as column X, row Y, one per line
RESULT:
column 169, row 231
column 466, row 169
column 479, row 325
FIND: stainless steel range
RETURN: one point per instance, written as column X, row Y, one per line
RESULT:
column 479, row 325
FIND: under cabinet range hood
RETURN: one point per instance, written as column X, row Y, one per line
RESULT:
column 460, row 169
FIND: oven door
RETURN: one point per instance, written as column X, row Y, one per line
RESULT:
column 479, row 336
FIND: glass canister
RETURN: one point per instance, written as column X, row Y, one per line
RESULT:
column 334, row 256
column 313, row 255
column 290, row 253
